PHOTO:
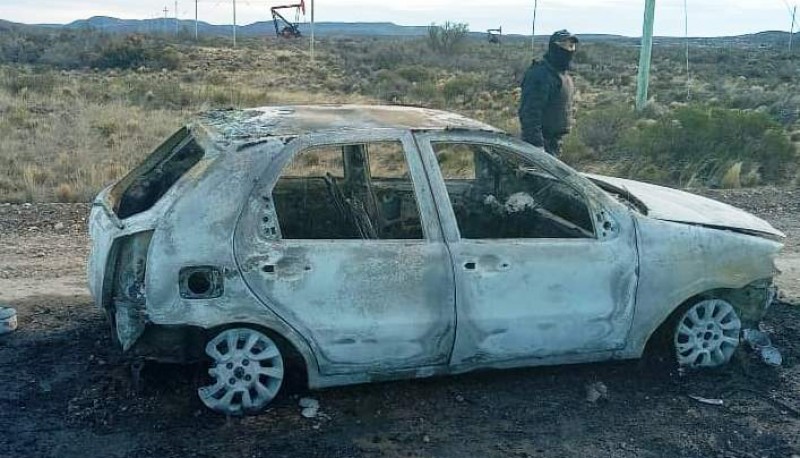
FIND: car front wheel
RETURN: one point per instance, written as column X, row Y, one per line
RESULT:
column 707, row 335
column 247, row 369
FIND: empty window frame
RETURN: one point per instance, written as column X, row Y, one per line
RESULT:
column 141, row 189
column 499, row 194
column 329, row 192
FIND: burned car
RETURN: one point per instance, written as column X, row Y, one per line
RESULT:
column 365, row 243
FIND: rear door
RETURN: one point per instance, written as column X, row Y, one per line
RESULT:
column 358, row 267
column 543, row 271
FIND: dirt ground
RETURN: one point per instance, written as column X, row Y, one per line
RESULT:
column 65, row 391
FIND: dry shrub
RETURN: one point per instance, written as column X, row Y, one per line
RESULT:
column 732, row 179
column 65, row 193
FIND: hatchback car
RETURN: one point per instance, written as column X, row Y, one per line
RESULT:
column 370, row 243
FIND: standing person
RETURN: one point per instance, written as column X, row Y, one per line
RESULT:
column 547, row 92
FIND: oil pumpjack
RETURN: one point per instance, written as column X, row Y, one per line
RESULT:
column 285, row 28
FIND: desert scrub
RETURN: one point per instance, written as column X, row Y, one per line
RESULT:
column 59, row 149
column 697, row 145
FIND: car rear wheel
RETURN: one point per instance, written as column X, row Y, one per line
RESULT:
column 707, row 334
column 247, row 369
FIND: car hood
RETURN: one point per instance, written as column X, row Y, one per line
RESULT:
column 673, row 205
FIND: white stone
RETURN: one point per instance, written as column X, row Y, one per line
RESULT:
column 309, row 403
column 8, row 320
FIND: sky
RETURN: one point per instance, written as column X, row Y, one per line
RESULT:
column 623, row 17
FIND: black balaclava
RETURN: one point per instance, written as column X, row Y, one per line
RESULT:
column 559, row 57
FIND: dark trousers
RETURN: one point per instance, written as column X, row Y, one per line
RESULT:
column 552, row 145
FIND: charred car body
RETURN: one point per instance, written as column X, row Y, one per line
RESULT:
column 375, row 243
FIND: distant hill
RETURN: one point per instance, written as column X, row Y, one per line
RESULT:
column 328, row 29
column 114, row 25
column 266, row 28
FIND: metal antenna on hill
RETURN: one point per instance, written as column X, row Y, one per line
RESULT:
column 196, row 17
column 176, row 17
column 166, row 19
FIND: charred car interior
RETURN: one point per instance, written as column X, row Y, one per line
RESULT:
column 365, row 191
column 146, row 185
column 357, row 191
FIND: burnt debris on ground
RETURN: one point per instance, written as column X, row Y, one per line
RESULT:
column 68, row 392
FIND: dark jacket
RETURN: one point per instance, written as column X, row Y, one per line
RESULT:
column 546, row 105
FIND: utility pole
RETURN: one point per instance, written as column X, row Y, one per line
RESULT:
column 791, row 31
column 533, row 32
column 312, row 31
column 166, row 19
column 646, row 54
column 176, row 17
column 686, row 36
column 196, row 17
column 234, row 23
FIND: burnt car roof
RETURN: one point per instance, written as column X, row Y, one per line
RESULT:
column 255, row 123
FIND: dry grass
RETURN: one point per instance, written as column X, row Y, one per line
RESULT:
column 66, row 134
column 732, row 179
column 71, row 133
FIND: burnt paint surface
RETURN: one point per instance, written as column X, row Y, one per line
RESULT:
column 366, row 306
column 680, row 261
column 194, row 225
column 520, row 300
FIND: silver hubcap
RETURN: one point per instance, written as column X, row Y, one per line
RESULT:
column 708, row 334
column 247, row 369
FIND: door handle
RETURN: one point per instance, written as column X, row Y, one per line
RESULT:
column 272, row 268
column 470, row 266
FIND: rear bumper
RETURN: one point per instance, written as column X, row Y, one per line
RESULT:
column 116, row 271
column 102, row 232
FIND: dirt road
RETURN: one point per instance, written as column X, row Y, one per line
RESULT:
column 66, row 392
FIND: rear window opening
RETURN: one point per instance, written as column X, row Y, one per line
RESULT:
column 141, row 189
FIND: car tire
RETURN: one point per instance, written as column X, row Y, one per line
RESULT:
column 706, row 334
column 247, row 372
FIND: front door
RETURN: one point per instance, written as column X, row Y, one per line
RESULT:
column 541, row 270
column 346, row 247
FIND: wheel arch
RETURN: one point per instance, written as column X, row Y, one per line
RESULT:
column 750, row 303
column 659, row 338
column 301, row 364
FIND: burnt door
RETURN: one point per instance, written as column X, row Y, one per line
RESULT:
column 359, row 268
column 543, row 273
